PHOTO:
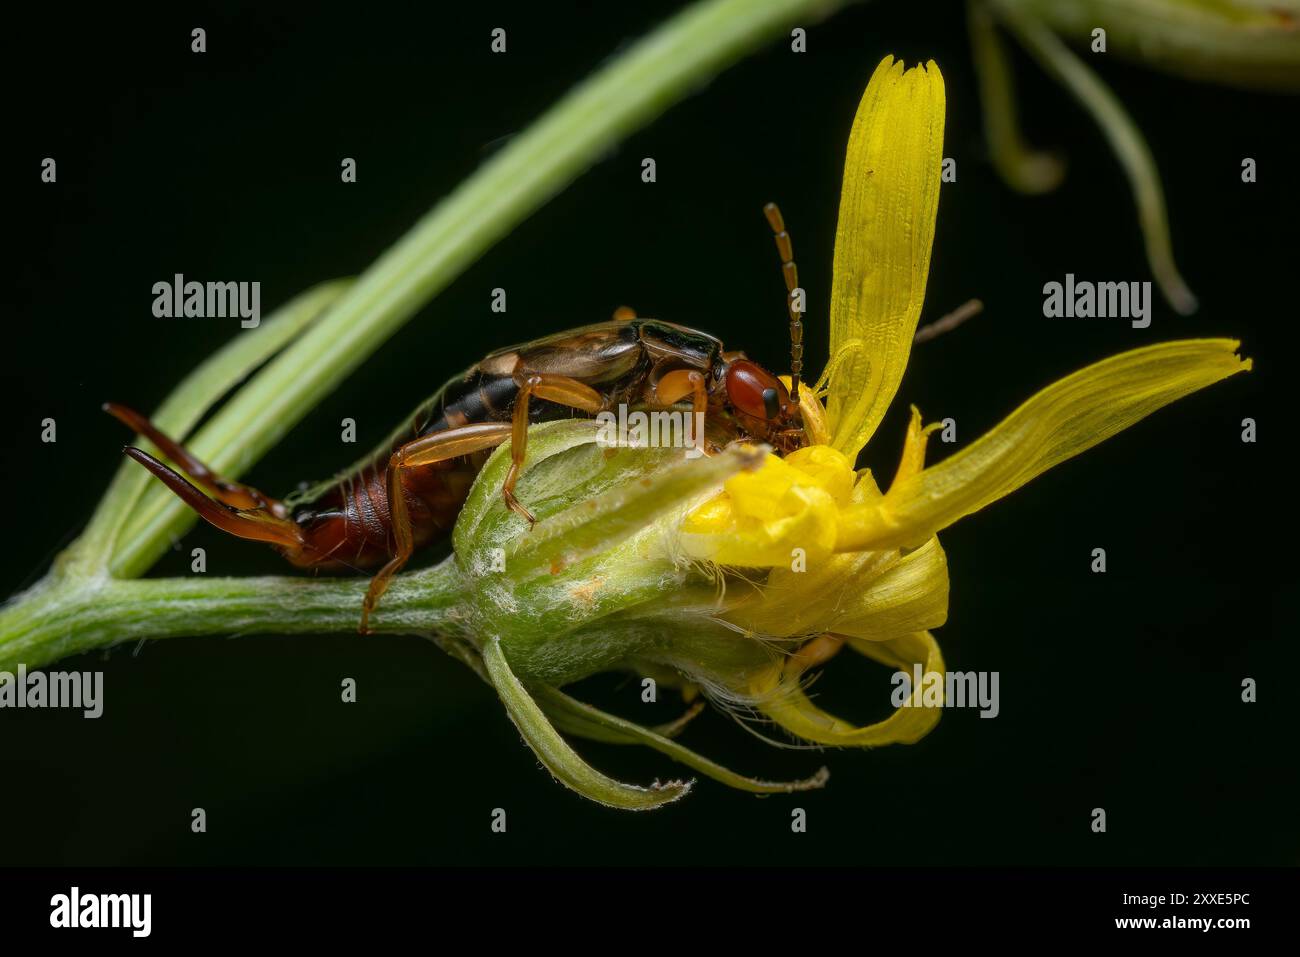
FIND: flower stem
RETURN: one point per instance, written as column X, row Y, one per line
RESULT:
column 1023, row 168
column 121, row 524
column 67, row 614
column 1125, row 140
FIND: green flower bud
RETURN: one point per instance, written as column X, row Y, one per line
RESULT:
column 599, row 584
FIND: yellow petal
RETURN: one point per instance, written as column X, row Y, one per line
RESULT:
column 814, row 415
column 762, row 516
column 882, row 244
column 875, row 596
column 785, row 702
column 1059, row 422
column 813, row 598
column 913, row 460
column 826, row 468
column 910, row 597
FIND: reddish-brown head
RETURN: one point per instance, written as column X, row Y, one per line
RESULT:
column 761, row 403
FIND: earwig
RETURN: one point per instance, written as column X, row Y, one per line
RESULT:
column 409, row 492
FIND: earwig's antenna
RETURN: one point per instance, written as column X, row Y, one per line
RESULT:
column 791, row 273
column 972, row 307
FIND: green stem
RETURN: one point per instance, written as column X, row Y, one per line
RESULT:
column 1124, row 137
column 1024, row 169
column 188, row 403
column 1254, row 46
column 70, row 614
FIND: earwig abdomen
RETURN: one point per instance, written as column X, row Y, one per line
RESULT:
column 350, row 524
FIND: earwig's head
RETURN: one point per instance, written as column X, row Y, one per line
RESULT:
column 761, row 402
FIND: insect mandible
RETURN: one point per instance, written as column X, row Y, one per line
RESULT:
column 409, row 492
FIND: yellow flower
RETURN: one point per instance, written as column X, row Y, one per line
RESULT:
column 844, row 563
column 735, row 574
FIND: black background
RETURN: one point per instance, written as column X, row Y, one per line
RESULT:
column 1119, row 691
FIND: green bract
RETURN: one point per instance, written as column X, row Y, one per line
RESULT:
column 599, row 584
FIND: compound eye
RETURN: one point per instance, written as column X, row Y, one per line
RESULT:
column 753, row 390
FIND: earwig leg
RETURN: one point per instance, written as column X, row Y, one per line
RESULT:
column 969, row 308
column 624, row 314
column 554, row 388
column 680, row 383
column 699, row 394
column 815, row 652
column 425, row 450
column 256, row 524
column 231, row 493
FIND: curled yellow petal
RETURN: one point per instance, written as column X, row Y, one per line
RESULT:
column 882, row 244
column 786, row 703
column 1061, row 421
